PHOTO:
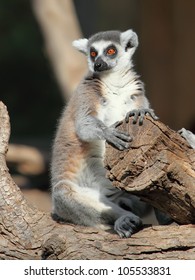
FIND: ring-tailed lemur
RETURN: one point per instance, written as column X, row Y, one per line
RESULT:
column 110, row 92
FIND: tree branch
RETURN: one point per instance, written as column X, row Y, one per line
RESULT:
column 159, row 167
column 27, row 233
column 60, row 27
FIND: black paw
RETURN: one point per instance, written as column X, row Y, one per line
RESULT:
column 162, row 218
column 128, row 224
column 57, row 218
column 140, row 114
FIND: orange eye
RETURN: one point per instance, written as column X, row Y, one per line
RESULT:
column 93, row 54
column 111, row 51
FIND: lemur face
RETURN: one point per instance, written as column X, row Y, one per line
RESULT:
column 102, row 56
column 109, row 51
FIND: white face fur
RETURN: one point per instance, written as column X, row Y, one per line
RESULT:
column 109, row 56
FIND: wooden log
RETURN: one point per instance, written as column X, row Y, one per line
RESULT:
column 28, row 233
column 159, row 167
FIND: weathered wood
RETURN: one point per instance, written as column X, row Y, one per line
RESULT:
column 159, row 242
column 159, row 167
column 27, row 233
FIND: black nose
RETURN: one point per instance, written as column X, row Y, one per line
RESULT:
column 97, row 65
column 100, row 65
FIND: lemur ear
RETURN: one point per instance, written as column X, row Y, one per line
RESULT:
column 81, row 45
column 129, row 39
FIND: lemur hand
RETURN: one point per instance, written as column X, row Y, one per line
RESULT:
column 140, row 114
column 116, row 137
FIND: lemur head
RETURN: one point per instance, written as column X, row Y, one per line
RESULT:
column 109, row 51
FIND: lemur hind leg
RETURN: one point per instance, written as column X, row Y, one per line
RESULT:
column 86, row 207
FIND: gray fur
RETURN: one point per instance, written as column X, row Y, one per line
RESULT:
column 113, row 36
column 81, row 193
column 189, row 136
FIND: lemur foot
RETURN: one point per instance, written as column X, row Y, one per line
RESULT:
column 189, row 136
column 57, row 218
column 128, row 224
column 116, row 137
column 162, row 218
column 140, row 114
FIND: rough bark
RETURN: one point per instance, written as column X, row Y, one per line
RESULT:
column 159, row 167
column 27, row 233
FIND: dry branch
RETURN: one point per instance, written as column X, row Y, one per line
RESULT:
column 159, row 167
column 27, row 159
column 27, row 233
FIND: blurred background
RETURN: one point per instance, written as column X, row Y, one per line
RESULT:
column 39, row 68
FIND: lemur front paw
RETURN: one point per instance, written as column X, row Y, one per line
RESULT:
column 140, row 114
column 116, row 137
column 127, row 224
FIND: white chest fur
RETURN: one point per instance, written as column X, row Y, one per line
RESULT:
column 119, row 99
